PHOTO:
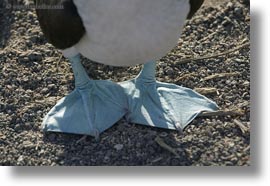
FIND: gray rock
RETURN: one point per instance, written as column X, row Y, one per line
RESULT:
column 119, row 146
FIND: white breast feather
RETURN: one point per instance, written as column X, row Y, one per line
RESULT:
column 130, row 32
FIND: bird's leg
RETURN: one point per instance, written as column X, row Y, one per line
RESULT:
column 162, row 105
column 81, row 84
column 80, row 75
column 148, row 73
column 94, row 105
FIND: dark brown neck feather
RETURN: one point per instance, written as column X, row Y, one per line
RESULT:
column 62, row 27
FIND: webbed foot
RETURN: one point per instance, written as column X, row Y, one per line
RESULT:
column 162, row 105
column 93, row 106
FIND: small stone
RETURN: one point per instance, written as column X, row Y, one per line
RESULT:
column 53, row 164
column 17, row 127
column 228, row 82
column 119, row 146
column 238, row 11
column 60, row 153
column 238, row 60
column 169, row 71
column 234, row 82
column 35, row 56
column 51, row 86
column 2, row 136
column 229, row 4
column 246, row 83
column 27, row 126
column 106, row 159
column 20, row 159
column 23, row 59
column 41, row 152
column 27, row 144
column 44, row 90
column 163, row 134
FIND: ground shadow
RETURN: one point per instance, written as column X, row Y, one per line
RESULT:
column 6, row 20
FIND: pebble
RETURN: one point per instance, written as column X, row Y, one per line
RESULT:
column 20, row 159
column 45, row 90
column 27, row 144
column 51, row 86
column 238, row 11
column 2, row 136
column 119, row 146
column 246, row 83
column 163, row 134
column 17, row 127
column 169, row 71
column 35, row 57
column 238, row 60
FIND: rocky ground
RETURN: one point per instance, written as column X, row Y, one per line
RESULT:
column 33, row 76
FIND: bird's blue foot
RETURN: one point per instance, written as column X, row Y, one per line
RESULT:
column 162, row 105
column 91, row 108
column 96, row 105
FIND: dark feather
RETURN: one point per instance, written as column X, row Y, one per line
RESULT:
column 194, row 7
column 62, row 27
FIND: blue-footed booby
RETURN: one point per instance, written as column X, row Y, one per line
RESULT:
column 119, row 33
